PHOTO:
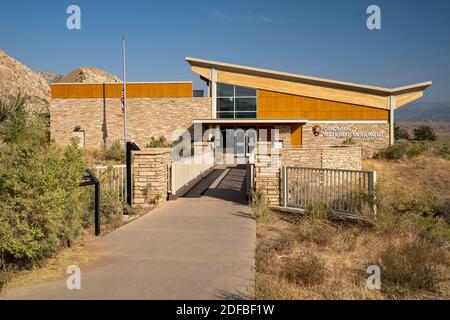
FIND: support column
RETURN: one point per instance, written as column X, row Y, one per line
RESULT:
column 213, row 93
column 392, row 106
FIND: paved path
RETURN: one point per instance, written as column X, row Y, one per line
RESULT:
column 192, row 248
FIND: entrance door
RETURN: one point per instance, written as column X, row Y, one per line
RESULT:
column 239, row 141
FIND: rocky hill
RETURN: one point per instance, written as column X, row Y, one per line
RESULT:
column 50, row 77
column 18, row 78
column 88, row 75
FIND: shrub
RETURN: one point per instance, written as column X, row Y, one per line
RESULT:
column 17, row 125
column 308, row 271
column 412, row 266
column 424, row 133
column 403, row 149
column 282, row 243
column 160, row 142
column 259, row 205
column 319, row 211
column 111, row 209
column 394, row 152
column 401, row 133
column 416, row 149
column 115, row 152
column 41, row 204
column 312, row 231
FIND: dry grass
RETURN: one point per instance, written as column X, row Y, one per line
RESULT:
column 423, row 174
column 336, row 268
column 55, row 268
column 312, row 258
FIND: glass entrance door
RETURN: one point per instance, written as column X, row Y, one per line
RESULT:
column 239, row 141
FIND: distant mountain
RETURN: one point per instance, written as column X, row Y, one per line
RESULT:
column 17, row 78
column 88, row 75
column 419, row 112
column 50, row 77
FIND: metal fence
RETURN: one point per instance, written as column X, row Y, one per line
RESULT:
column 113, row 179
column 347, row 192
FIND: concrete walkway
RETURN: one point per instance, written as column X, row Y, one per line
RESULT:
column 192, row 248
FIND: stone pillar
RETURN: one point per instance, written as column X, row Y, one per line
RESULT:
column 267, row 172
column 151, row 175
column 284, row 134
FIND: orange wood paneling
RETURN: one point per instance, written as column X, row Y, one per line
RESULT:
column 58, row 92
column 296, row 135
column 114, row 90
column 274, row 105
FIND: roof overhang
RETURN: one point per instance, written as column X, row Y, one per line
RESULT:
column 304, row 85
column 249, row 121
column 266, row 73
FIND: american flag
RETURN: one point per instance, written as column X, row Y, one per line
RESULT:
column 123, row 101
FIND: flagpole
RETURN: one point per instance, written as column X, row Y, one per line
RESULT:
column 124, row 93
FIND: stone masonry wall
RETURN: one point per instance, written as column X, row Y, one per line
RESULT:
column 150, row 175
column 371, row 136
column 267, row 172
column 340, row 157
column 268, row 163
column 102, row 119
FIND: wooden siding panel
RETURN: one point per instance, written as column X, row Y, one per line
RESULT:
column 307, row 90
column 274, row 105
column 296, row 135
column 72, row 91
column 170, row 90
column 114, row 90
column 185, row 90
column 58, row 92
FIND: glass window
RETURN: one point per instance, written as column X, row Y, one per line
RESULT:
column 236, row 102
column 245, row 115
column 225, row 104
column 245, row 104
column 245, row 92
column 225, row 115
column 225, row 90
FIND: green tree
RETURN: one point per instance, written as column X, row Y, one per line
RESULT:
column 401, row 133
column 425, row 133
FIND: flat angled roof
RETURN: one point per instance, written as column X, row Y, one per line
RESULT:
column 305, row 79
column 278, row 121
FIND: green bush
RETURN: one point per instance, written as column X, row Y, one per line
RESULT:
column 424, row 133
column 115, row 152
column 42, row 207
column 403, row 149
column 19, row 126
column 395, row 152
column 401, row 133
column 41, row 203
column 160, row 142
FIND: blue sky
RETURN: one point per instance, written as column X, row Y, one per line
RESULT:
column 318, row 38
